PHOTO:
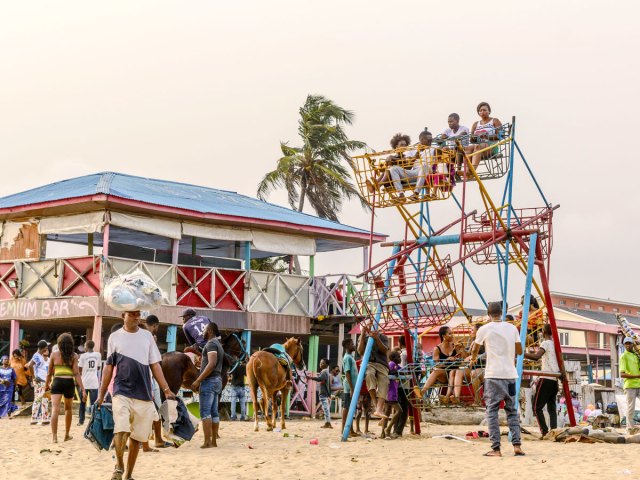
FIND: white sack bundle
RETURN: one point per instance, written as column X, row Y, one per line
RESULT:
column 133, row 291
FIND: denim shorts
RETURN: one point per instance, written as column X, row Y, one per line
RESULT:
column 346, row 399
column 210, row 390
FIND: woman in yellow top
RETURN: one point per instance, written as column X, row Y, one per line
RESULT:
column 63, row 367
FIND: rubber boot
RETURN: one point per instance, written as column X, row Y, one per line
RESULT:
column 214, row 434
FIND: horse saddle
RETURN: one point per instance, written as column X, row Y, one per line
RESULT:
column 281, row 354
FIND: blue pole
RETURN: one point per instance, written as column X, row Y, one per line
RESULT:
column 247, row 256
column 172, row 334
column 533, row 177
column 367, row 351
column 246, row 337
column 475, row 286
column 525, row 310
column 509, row 201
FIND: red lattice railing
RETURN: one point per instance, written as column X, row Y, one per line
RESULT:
column 408, row 295
column 539, row 219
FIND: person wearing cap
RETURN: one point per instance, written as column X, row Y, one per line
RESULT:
column 40, row 410
column 193, row 328
column 630, row 371
column 501, row 342
column 7, row 383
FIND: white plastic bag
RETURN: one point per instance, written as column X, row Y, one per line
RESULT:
column 133, row 291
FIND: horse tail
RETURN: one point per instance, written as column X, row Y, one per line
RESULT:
column 256, row 365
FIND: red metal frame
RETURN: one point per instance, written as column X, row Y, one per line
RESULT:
column 416, row 295
column 535, row 219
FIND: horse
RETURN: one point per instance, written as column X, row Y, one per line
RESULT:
column 180, row 370
column 265, row 371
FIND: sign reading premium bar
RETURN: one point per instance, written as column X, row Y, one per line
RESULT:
column 26, row 309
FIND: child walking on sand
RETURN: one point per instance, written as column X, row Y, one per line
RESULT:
column 392, row 408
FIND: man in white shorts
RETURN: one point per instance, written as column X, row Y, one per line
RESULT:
column 134, row 353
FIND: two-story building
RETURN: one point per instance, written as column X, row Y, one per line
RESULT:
column 60, row 242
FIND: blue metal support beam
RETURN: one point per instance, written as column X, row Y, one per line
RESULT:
column 524, row 326
column 172, row 334
column 367, row 351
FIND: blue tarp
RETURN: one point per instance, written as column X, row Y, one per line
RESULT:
column 171, row 194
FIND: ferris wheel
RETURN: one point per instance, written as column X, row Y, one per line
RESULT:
column 425, row 281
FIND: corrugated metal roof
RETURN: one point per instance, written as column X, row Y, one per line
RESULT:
column 169, row 194
column 604, row 317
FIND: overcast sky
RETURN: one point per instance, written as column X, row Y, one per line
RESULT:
column 204, row 91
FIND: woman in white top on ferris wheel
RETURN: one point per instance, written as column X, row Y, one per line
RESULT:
column 485, row 131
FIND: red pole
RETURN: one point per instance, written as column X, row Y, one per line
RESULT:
column 556, row 338
column 407, row 340
column 415, row 412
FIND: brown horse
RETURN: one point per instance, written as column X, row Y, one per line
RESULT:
column 179, row 371
column 265, row 371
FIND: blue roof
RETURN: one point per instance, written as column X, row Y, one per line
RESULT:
column 171, row 194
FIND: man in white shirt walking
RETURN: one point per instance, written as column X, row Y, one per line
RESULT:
column 134, row 353
column 501, row 342
column 89, row 363
column 547, row 387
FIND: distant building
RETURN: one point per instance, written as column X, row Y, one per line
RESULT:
column 589, row 331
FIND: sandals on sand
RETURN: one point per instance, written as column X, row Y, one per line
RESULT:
column 493, row 453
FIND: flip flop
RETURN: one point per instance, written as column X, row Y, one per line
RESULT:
column 493, row 453
column 520, row 454
column 165, row 445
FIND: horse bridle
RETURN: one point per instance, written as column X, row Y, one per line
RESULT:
column 235, row 361
column 295, row 364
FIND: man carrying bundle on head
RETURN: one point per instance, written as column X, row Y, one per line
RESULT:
column 133, row 354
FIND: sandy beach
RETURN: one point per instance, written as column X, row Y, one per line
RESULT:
column 28, row 453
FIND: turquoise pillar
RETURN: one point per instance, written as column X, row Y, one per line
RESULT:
column 314, row 345
column 247, row 256
column 246, row 338
column 172, row 334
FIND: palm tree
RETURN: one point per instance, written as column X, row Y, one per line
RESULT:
column 269, row 264
column 316, row 171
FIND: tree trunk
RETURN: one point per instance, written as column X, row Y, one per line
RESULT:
column 303, row 193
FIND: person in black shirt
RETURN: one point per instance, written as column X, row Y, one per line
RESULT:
column 238, row 392
column 210, row 384
column 324, row 391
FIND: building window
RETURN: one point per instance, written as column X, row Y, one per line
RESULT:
column 587, row 306
column 563, row 302
column 615, row 310
column 577, row 304
column 564, row 338
column 601, row 308
column 627, row 311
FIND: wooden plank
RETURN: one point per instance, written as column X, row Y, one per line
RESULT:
column 25, row 245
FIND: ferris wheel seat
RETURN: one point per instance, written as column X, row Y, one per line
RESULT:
column 406, row 175
column 421, row 297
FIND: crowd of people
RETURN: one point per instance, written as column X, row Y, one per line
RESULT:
column 434, row 164
column 132, row 381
